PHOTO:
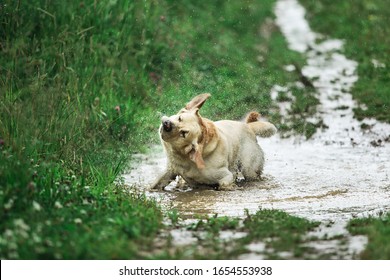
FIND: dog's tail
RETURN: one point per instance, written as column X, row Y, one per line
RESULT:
column 260, row 128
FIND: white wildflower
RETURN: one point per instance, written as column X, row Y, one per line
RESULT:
column 12, row 246
column 19, row 223
column 78, row 221
column 8, row 233
column 58, row 205
column 13, row 255
column 9, row 204
column 36, row 238
column 377, row 63
column 36, row 206
column 23, row 234
column 289, row 68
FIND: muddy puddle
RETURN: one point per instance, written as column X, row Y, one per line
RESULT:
column 341, row 173
column 314, row 181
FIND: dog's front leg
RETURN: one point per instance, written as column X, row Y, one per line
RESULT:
column 226, row 183
column 164, row 180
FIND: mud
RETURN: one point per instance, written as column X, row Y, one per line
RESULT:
column 320, row 182
column 335, row 176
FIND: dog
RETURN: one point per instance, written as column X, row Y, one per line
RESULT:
column 203, row 152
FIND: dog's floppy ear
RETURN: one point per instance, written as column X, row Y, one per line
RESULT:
column 197, row 101
column 196, row 155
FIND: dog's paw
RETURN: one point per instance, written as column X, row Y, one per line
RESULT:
column 229, row 187
column 152, row 188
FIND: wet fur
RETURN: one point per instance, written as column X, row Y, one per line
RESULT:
column 204, row 152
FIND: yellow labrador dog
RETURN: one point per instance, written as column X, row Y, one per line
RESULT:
column 203, row 152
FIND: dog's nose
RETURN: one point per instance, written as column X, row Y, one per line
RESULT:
column 167, row 125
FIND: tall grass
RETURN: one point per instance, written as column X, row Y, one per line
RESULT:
column 74, row 75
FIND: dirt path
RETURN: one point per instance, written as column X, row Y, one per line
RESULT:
column 342, row 172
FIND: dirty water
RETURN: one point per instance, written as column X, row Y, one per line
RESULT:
column 341, row 173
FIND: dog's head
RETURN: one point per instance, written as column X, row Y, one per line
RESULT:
column 184, row 131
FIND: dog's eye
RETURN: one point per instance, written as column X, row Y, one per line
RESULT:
column 183, row 133
column 180, row 118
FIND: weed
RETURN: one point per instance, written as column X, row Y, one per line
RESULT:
column 173, row 215
column 215, row 224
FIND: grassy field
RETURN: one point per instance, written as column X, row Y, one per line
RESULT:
column 83, row 85
column 364, row 26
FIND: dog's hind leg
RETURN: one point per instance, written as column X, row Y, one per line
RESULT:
column 252, row 162
column 253, row 173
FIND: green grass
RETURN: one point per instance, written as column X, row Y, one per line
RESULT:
column 46, row 214
column 363, row 24
column 303, row 107
column 378, row 233
column 82, row 87
column 215, row 224
column 67, row 108
column 278, row 231
column 224, row 61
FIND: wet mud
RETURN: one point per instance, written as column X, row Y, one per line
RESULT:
column 312, row 181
